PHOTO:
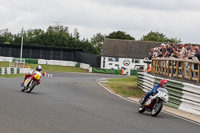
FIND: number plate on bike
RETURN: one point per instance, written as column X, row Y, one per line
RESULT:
column 148, row 102
column 26, row 82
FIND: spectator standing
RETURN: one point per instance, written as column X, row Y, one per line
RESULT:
column 192, row 52
column 156, row 52
column 183, row 53
column 148, row 68
column 151, row 53
column 162, row 50
column 168, row 51
column 197, row 52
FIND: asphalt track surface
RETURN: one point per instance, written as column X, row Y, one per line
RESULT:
column 76, row 103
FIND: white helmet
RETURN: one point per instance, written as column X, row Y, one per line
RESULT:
column 39, row 68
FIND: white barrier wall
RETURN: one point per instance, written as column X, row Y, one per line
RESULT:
column 85, row 66
column 57, row 62
column 6, row 59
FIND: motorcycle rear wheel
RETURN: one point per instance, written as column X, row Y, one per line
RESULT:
column 156, row 109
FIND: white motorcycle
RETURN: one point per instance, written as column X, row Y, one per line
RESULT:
column 154, row 103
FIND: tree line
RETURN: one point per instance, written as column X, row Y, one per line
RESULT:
column 59, row 36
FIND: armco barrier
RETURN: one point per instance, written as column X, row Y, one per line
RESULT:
column 182, row 96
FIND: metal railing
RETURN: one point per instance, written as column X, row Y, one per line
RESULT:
column 177, row 68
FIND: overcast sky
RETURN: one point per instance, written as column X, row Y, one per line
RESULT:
column 174, row 18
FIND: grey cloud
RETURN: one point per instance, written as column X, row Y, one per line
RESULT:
column 137, row 17
column 168, row 5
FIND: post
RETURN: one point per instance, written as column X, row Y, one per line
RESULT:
column 21, row 45
column 172, row 68
column 165, row 63
column 177, row 68
column 190, row 71
column 198, row 74
column 21, row 49
column 183, row 69
column 159, row 67
column 156, row 63
column 153, row 66
column 168, row 68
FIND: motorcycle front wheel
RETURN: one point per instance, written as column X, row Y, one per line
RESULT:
column 30, row 88
column 141, row 108
column 22, row 88
column 157, row 108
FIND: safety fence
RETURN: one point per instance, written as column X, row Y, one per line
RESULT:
column 172, row 67
column 50, row 53
column 182, row 96
column 10, row 70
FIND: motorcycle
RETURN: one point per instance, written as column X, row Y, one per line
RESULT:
column 154, row 103
column 31, row 82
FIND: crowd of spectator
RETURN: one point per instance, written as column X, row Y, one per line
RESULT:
column 179, row 50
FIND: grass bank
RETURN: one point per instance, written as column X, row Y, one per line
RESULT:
column 126, row 87
column 4, row 64
column 59, row 68
column 45, row 68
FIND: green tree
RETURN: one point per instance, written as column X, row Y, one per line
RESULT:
column 76, row 34
column 6, row 37
column 120, row 35
column 97, row 41
column 55, row 36
column 158, row 37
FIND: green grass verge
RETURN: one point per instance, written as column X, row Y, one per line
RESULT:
column 51, row 68
column 59, row 68
column 4, row 64
column 126, row 87
column 44, row 69
column 12, row 75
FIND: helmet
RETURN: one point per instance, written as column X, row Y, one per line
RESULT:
column 39, row 68
column 163, row 81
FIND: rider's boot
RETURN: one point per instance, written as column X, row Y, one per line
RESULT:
column 142, row 102
column 22, row 84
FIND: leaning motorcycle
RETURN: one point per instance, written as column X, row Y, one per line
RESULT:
column 30, row 83
column 154, row 103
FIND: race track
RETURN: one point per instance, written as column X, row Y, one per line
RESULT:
column 76, row 103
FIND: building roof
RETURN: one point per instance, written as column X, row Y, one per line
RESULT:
column 127, row 48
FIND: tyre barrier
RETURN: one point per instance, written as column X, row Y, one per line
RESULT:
column 10, row 70
column 183, row 96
